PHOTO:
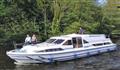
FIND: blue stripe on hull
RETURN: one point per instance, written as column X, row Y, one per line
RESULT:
column 80, row 55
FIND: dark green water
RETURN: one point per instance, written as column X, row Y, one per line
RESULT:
column 104, row 61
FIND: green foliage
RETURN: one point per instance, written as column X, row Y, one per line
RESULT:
column 54, row 17
column 73, row 28
column 4, row 10
column 2, row 33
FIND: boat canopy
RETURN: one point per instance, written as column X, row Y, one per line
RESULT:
column 86, row 37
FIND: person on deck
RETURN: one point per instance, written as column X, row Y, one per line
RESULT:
column 28, row 39
column 81, row 31
column 34, row 39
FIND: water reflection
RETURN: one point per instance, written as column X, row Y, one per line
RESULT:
column 5, row 62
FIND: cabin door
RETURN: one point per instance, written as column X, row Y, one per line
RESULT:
column 77, row 42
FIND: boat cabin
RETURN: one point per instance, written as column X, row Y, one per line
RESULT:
column 70, row 41
column 78, row 41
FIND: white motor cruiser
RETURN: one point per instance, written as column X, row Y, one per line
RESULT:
column 62, row 48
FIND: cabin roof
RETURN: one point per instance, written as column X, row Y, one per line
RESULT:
column 87, row 37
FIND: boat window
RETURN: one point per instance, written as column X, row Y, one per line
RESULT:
column 98, row 44
column 106, row 43
column 77, row 42
column 51, row 50
column 85, row 41
column 39, row 51
column 58, row 41
column 68, row 42
column 50, row 40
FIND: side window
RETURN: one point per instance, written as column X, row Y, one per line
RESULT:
column 106, row 43
column 68, row 42
column 52, row 50
column 85, row 41
column 50, row 40
column 99, row 44
column 59, row 41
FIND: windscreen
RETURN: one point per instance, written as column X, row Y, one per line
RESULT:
column 50, row 40
column 58, row 41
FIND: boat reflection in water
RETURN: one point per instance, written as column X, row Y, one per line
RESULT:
column 62, row 48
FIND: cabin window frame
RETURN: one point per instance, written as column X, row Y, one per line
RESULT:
column 107, row 43
column 101, row 44
column 77, row 44
column 98, row 44
column 53, row 50
column 68, row 42
column 58, row 41
column 84, row 41
column 52, row 41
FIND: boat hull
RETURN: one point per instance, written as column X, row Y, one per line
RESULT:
column 58, row 56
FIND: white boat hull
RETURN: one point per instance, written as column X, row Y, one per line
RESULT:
column 57, row 56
